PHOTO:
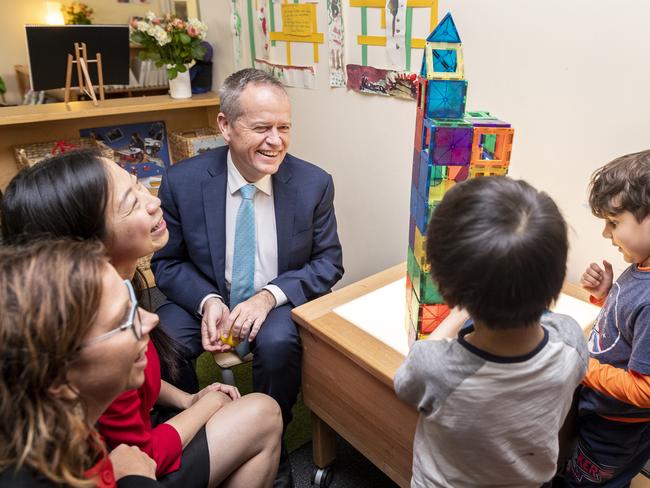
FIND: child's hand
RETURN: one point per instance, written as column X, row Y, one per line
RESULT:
column 597, row 280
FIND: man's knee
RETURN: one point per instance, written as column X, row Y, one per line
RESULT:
column 182, row 327
column 278, row 343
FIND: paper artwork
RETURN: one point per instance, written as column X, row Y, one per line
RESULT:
column 336, row 43
column 366, row 79
column 294, row 76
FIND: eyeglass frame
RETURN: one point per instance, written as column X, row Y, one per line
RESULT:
column 130, row 321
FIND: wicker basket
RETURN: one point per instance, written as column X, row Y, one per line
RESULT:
column 30, row 154
column 188, row 143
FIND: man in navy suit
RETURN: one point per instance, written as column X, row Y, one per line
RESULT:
column 298, row 253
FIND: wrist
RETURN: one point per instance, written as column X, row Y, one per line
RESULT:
column 268, row 297
column 210, row 301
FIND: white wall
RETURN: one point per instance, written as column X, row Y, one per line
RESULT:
column 571, row 76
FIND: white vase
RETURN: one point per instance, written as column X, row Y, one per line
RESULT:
column 181, row 87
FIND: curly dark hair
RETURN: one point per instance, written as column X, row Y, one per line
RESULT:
column 622, row 185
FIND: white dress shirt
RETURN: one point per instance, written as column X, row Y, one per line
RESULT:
column 266, row 253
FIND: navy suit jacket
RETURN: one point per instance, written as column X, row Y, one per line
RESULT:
column 193, row 196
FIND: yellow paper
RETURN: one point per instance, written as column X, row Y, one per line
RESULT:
column 297, row 19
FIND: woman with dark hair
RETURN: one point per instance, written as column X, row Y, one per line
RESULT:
column 83, row 195
column 66, row 354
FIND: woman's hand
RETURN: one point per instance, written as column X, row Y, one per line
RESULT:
column 129, row 460
column 231, row 391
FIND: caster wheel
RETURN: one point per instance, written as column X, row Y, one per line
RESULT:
column 322, row 477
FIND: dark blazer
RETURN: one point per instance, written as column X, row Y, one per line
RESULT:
column 193, row 196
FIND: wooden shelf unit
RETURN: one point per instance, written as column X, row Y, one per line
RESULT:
column 37, row 123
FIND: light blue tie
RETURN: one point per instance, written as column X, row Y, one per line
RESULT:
column 243, row 262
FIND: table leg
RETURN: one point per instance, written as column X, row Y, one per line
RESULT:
column 323, row 441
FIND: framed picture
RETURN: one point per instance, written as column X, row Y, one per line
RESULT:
column 141, row 149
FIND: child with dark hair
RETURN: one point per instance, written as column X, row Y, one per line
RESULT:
column 614, row 403
column 493, row 396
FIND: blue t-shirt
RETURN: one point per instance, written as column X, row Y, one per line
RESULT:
column 621, row 338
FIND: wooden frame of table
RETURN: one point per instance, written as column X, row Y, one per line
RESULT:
column 347, row 383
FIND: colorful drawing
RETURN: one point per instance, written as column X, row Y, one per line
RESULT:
column 394, row 12
column 336, row 43
column 367, row 79
column 295, row 76
column 298, row 25
column 141, row 149
column 450, row 145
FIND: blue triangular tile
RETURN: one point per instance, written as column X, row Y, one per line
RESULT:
column 445, row 31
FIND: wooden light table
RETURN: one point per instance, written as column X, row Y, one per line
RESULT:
column 53, row 121
column 347, row 379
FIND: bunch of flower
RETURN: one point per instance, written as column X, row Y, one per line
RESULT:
column 77, row 14
column 169, row 40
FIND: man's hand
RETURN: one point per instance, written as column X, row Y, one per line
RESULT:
column 214, row 324
column 598, row 281
column 129, row 460
column 249, row 315
column 231, row 391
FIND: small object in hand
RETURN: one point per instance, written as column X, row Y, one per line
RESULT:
column 229, row 339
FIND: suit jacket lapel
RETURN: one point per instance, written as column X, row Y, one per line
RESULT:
column 214, row 203
column 284, row 199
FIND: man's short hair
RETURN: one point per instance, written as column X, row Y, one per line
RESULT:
column 622, row 184
column 235, row 83
column 498, row 248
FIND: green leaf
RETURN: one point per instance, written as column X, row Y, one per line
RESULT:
column 172, row 73
column 181, row 68
column 185, row 39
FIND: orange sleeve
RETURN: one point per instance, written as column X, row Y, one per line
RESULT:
column 597, row 301
column 626, row 386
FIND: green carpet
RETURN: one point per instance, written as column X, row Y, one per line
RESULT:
column 299, row 431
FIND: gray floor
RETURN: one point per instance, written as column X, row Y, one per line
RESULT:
column 350, row 469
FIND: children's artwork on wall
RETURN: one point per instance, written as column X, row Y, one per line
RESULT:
column 235, row 27
column 366, row 79
column 294, row 76
column 299, row 25
column 377, row 42
column 141, row 149
column 336, row 42
column 450, row 145
column 395, row 14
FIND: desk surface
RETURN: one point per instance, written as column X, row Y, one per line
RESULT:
column 357, row 345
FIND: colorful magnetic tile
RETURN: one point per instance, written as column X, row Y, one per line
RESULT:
column 412, row 230
column 492, row 146
column 424, row 289
column 444, row 61
column 445, row 31
column 484, row 119
column 415, row 198
column 419, row 122
column 450, row 123
column 415, row 172
column 451, row 146
column 437, row 191
column 480, row 170
column 456, row 173
column 423, row 214
column 446, row 98
column 431, row 317
column 421, row 84
column 420, row 251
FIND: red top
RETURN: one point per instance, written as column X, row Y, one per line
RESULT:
column 102, row 474
column 127, row 421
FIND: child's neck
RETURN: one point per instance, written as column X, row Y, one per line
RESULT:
column 506, row 342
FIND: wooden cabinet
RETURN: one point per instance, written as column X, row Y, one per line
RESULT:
column 50, row 122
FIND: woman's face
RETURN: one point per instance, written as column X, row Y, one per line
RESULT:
column 134, row 219
column 116, row 363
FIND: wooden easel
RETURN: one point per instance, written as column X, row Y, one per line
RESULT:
column 85, row 83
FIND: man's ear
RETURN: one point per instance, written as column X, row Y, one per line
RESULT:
column 64, row 392
column 224, row 126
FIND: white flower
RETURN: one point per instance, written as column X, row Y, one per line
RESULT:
column 150, row 15
column 160, row 35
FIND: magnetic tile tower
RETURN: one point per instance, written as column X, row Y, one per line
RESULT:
column 450, row 145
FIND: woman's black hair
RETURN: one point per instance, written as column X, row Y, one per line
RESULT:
column 66, row 196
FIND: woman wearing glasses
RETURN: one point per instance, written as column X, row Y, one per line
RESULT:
column 66, row 354
column 213, row 440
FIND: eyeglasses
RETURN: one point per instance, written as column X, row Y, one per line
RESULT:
column 131, row 322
